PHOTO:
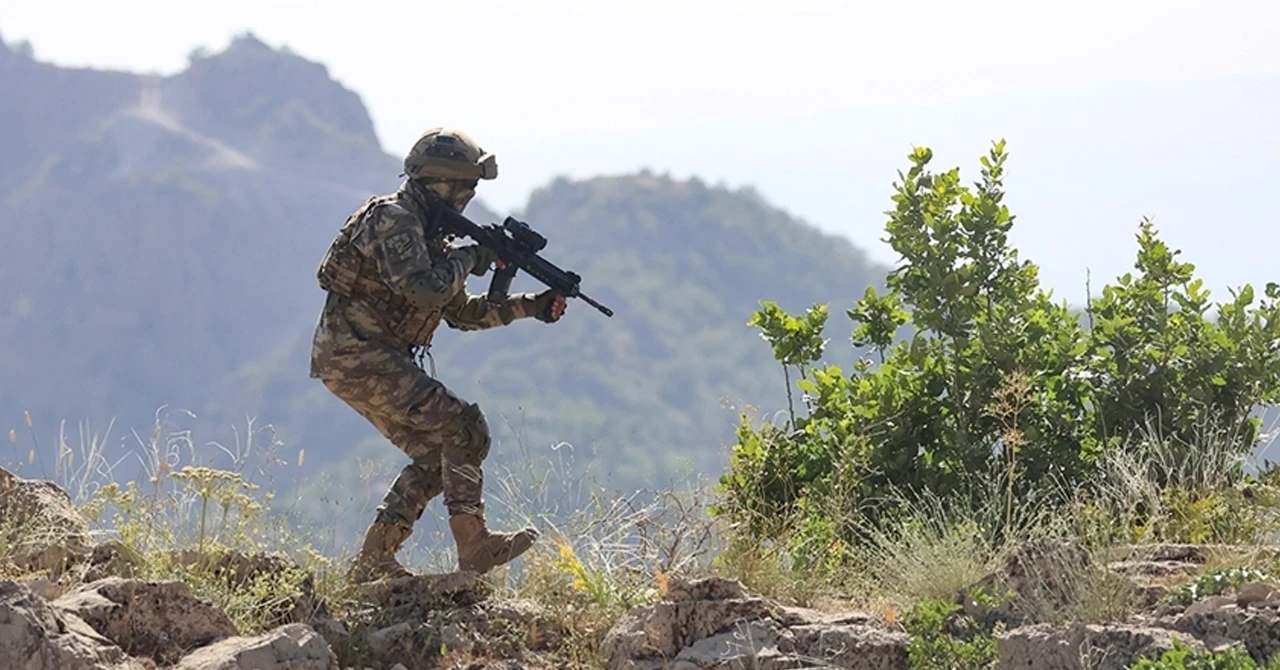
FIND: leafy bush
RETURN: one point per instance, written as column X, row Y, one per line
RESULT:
column 944, row 638
column 994, row 376
column 1183, row 657
column 1216, row 583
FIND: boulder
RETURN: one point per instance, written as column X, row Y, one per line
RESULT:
column 237, row 570
column 1221, row 621
column 1084, row 647
column 289, row 647
column 1043, row 577
column 36, row 636
column 714, row 624
column 40, row 525
column 417, row 620
column 159, row 620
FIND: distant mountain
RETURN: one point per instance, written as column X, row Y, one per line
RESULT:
column 164, row 234
column 161, row 223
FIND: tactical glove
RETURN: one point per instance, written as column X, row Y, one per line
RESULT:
column 483, row 258
column 548, row 306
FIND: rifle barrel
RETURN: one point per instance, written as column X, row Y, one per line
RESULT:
column 593, row 303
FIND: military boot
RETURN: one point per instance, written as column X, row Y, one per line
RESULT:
column 480, row 550
column 377, row 558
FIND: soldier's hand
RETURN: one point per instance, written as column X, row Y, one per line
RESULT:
column 484, row 257
column 549, row 306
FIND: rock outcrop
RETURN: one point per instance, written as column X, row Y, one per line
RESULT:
column 36, row 636
column 235, row 570
column 1249, row 618
column 713, row 623
column 40, row 526
column 289, row 647
column 417, row 621
column 1084, row 647
column 158, row 620
column 82, row 605
column 124, row 625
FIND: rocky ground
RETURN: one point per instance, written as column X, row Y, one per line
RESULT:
column 72, row 604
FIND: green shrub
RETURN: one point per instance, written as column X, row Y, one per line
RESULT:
column 944, row 638
column 1182, row 657
column 1217, row 583
column 995, row 376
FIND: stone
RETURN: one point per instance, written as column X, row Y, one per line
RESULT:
column 1258, row 629
column 1257, row 593
column 746, row 645
column 36, row 636
column 1156, row 569
column 856, row 646
column 661, row 630
column 41, row 587
column 159, row 620
column 710, row 588
column 1084, row 647
column 1210, row 604
column 293, row 646
column 715, row 625
column 237, row 570
column 41, row 527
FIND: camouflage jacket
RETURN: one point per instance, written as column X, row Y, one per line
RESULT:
column 383, row 247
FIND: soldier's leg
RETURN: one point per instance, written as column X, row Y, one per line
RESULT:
column 413, row 409
column 419, row 482
column 370, row 388
column 464, row 446
column 416, row 486
column 442, row 422
column 463, row 449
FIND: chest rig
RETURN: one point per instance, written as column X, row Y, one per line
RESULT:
column 346, row 271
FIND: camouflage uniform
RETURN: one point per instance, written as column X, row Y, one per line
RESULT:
column 390, row 282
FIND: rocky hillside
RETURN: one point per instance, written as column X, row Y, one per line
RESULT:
column 71, row 599
column 168, row 229
column 158, row 235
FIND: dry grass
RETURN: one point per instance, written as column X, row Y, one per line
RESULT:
column 604, row 554
column 600, row 555
column 174, row 511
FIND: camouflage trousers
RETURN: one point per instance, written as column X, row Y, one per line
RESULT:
column 445, row 437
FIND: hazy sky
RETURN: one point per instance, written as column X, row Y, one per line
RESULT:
column 735, row 91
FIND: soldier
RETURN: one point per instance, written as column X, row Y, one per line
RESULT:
column 391, row 280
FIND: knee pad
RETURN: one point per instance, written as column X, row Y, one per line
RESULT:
column 477, row 429
column 470, row 438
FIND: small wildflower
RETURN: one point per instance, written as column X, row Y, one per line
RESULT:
column 566, row 552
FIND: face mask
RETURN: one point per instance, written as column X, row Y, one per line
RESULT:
column 456, row 193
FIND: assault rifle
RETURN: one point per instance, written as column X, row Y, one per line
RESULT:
column 517, row 244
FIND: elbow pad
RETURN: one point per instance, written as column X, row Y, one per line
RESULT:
column 425, row 293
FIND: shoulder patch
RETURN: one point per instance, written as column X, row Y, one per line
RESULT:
column 399, row 245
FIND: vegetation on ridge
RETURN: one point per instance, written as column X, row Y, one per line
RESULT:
column 999, row 387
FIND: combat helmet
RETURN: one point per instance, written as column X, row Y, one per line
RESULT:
column 449, row 154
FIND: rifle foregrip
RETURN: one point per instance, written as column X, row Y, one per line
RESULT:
column 500, row 284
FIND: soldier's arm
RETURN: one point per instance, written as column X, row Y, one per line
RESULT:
column 474, row 312
column 398, row 243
